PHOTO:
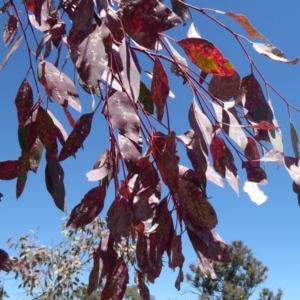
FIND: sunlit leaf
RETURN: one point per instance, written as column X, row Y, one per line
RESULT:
column 207, row 57
column 273, row 53
column 255, row 194
column 193, row 32
column 159, row 88
column 77, row 136
column 246, row 24
column 58, row 85
column 89, row 208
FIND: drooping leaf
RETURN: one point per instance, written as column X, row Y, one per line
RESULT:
column 205, row 265
column 77, row 136
column 200, row 122
column 207, row 56
column 195, row 205
column 180, row 10
column 140, row 281
column 35, row 155
column 90, row 58
column 252, row 153
column 293, row 168
column 38, row 4
column 209, row 243
column 123, row 115
column 54, row 178
column 5, row 262
column 8, row 169
column 10, row 29
column 23, row 168
column 130, row 72
column 5, row 7
column 119, row 217
column 255, row 194
column 256, row 105
column 69, row 117
column 89, row 208
column 102, row 168
column 213, row 176
column 145, row 98
column 58, row 85
column 179, row 279
column 296, row 189
column 222, row 157
column 159, row 88
column 273, row 53
column 130, row 151
column 224, row 88
column 176, row 258
column 11, row 51
column 295, row 140
column 242, row 20
column 116, row 283
column 115, row 25
column 60, row 131
column 193, row 32
column 164, row 153
column 24, row 101
column 47, row 132
column 255, row 174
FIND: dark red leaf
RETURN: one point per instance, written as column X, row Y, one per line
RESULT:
column 296, row 189
column 140, row 281
column 209, row 243
column 54, row 178
column 5, row 7
column 159, row 88
column 155, row 260
column 116, row 283
column 58, row 85
column 255, row 174
column 90, row 207
column 10, row 29
column 91, row 67
column 224, row 88
column 252, row 153
column 60, row 131
column 115, row 25
column 123, row 115
column 77, row 136
column 23, row 168
column 256, row 104
column 5, row 262
column 207, row 56
column 24, row 102
column 176, row 258
column 38, row 4
column 164, row 153
column 47, row 132
column 195, row 206
column 179, row 279
column 8, row 169
column 119, row 218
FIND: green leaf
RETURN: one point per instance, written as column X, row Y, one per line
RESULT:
column 145, row 98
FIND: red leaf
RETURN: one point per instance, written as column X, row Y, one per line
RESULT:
column 8, row 169
column 164, row 153
column 91, row 67
column 207, row 56
column 47, row 132
column 69, row 117
column 224, row 88
column 24, row 102
column 60, row 131
column 116, row 283
column 90, row 207
column 252, row 153
column 123, row 115
column 5, row 262
column 159, row 88
column 77, row 136
column 54, row 177
column 58, row 85
column 142, row 287
column 257, row 106
column 195, row 206
column 10, row 29
column 209, row 243
column 246, row 25
column 176, row 258
column 255, row 174
column 263, row 125
column 119, row 218
column 23, row 168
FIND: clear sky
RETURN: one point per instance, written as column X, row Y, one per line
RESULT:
column 270, row 230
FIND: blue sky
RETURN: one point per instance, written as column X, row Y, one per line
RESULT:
column 271, row 230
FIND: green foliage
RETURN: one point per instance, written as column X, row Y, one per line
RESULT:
column 235, row 280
